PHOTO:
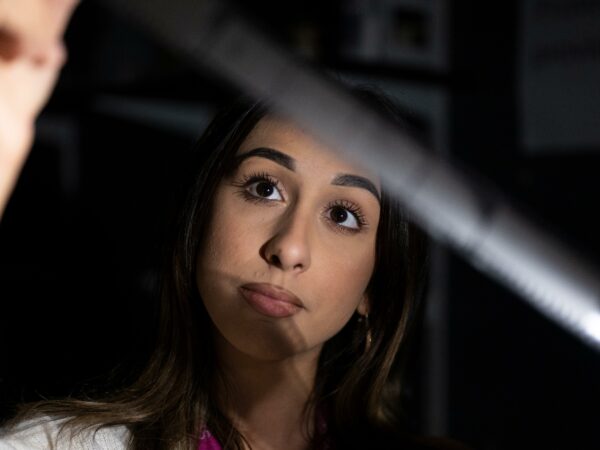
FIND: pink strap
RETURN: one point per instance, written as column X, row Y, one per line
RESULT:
column 208, row 441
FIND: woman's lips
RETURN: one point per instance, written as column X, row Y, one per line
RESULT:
column 270, row 300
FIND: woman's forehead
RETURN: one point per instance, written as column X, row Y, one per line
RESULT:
column 277, row 130
column 286, row 137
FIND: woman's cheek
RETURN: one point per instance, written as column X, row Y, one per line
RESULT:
column 235, row 235
column 344, row 275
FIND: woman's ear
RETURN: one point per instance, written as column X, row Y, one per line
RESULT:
column 364, row 306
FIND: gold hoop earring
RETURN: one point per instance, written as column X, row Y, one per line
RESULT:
column 364, row 320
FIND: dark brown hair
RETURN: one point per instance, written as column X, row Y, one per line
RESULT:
column 172, row 400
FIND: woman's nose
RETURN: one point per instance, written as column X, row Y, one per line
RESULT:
column 288, row 249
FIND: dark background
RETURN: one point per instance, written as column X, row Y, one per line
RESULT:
column 80, row 240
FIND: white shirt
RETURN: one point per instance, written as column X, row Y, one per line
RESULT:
column 41, row 434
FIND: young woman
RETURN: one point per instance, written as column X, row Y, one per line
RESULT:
column 290, row 288
column 292, row 283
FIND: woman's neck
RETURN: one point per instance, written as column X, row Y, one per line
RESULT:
column 267, row 400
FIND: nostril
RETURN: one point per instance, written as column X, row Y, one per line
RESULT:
column 275, row 260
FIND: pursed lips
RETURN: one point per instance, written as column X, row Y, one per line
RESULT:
column 271, row 300
column 275, row 292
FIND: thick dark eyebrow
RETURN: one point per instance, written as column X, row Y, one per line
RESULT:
column 346, row 179
column 274, row 155
column 289, row 163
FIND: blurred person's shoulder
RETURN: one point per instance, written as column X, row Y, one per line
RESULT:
column 45, row 433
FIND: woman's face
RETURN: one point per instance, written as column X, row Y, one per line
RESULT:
column 290, row 248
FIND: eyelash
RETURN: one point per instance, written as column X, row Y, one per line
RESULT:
column 352, row 208
column 250, row 179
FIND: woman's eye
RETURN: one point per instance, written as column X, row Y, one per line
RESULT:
column 343, row 217
column 264, row 189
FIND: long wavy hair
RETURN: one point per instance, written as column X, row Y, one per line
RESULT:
column 173, row 399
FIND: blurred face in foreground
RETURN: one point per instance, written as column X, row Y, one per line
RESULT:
column 290, row 248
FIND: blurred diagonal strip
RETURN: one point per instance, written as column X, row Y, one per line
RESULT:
column 456, row 210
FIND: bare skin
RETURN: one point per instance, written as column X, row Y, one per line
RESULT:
column 31, row 56
column 268, row 398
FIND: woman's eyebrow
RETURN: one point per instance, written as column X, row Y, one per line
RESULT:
column 346, row 179
column 290, row 163
column 269, row 153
